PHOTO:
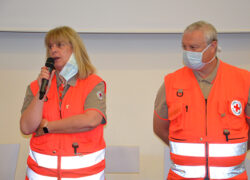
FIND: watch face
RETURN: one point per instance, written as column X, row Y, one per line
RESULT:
column 45, row 130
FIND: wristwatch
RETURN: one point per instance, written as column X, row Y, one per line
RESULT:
column 45, row 130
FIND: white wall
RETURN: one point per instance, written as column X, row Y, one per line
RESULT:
column 133, row 66
column 123, row 16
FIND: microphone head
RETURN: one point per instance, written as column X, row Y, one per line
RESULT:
column 50, row 63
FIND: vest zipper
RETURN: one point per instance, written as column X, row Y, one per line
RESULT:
column 206, row 116
column 207, row 171
column 207, row 177
column 60, row 112
column 60, row 107
column 59, row 166
column 59, row 157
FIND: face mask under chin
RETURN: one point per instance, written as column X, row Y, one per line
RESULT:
column 70, row 69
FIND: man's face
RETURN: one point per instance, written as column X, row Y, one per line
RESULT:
column 195, row 41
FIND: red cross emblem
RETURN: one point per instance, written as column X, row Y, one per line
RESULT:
column 99, row 95
column 236, row 107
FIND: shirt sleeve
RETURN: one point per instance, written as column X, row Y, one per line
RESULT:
column 160, row 107
column 247, row 110
column 27, row 99
column 96, row 99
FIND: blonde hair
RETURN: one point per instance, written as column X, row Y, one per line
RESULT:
column 209, row 30
column 67, row 34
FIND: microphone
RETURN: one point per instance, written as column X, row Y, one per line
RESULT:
column 50, row 65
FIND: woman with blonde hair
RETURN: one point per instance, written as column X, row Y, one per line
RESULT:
column 66, row 121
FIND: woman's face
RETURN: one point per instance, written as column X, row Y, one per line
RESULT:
column 60, row 52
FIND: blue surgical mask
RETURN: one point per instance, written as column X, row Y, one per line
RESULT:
column 70, row 69
column 193, row 60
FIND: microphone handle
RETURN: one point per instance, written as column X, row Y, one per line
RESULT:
column 44, row 85
column 43, row 88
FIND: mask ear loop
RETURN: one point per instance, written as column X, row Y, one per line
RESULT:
column 206, row 48
column 204, row 51
column 210, row 60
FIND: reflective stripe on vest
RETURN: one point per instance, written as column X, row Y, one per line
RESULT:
column 215, row 172
column 189, row 171
column 34, row 176
column 227, row 150
column 226, row 172
column 68, row 162
column 187, row 149
column 215, row 150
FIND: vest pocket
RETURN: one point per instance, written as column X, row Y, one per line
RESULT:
column 233, row 119
column 175, row 115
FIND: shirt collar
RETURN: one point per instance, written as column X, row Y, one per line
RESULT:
column 209, row 78
column 71, row 82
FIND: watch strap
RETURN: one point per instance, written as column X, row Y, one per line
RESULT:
column 45, row 130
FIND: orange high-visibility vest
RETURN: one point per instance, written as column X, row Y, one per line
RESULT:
column 208, row 138
column 52, row 156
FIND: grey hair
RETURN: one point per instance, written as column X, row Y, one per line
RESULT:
column 209, row 30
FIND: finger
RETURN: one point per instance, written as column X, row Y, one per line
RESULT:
column 44, row 73
column 50, row 79
column 38, row 132
column 36, row 135
column 52, row 74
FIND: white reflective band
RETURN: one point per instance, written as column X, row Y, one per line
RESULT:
column 227, row 150
column 99, row 176
column 68, row 162
column 187, row 149
column 43, row 160
column 226, row 172
column 34, row 176
column 189, row 171
column 82, row 161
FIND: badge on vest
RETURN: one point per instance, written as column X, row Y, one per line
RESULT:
column 236, row 107
column 179, row 93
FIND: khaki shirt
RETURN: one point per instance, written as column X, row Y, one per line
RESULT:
column 93, row 100
column 206, row 84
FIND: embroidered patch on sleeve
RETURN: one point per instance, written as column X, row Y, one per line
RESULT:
column 99, row 95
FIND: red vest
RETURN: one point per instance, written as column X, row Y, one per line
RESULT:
column 60, row 145
column 199, row 125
